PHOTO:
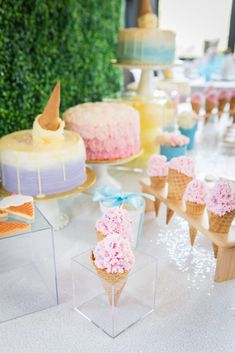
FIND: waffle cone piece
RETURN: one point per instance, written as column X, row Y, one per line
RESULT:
column 25, row 211
column 113, row 283
column 145, row 7
column 220, row 224
column 209, row 106
column 193, row 234
column 158, row 182
column 195, row 209
column 100, row 236
column 49, row 120
column 232, row 105
column 177, row 183
column 196, row 107
column 169, row 215
column 11, row 228
column 221, row 105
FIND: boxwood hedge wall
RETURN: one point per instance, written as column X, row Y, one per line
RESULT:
column 42, row 41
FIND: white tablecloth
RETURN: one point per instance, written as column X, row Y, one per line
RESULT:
column 193, row 313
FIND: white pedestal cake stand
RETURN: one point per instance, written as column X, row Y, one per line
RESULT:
column 101, row 171
column 49, row 205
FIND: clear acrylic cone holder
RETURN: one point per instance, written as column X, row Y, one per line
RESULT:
column 27, row 271
column 114, row 307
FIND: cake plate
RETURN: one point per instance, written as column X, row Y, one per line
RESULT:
column 101, row 171
column 146, row 85
column 49, row 204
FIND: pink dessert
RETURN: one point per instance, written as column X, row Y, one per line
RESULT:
column 157, row 166
column 221, row 199
column 171, row 139
column 212, row 98
column 182, row 165
column 115, row 221
column 114, row 255
column 110, row 130
column 196, row 192
column 196, row 98
column 223, row 95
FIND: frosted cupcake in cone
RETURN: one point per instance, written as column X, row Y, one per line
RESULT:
column 196, row 102
column 211, row 103
column 195, row 197
column 181, row 172
column 114, row 221
column 113, row 259
column 221, row 207
column 157, row 170
column 223, row 99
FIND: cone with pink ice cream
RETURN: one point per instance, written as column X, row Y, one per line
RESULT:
column 232, row 105
column 210, row 104
column 181, row 172
column 223, row 99
column 196, row 102
column 195, row 201
column 114, row 221
column 113, row 259
column 157, row 170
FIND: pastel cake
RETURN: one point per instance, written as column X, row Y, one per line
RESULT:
column 45, row 160
column 110, row 130
column 146, row 44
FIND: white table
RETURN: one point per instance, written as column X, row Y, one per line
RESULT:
column 193, row 315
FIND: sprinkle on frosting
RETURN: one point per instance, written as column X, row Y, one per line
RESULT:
column 171, row 139
column 157, row 166
column 196, row 98
column 221, row 199
column 115, row 221
column 196, row 191
column 183, row 165
column 114, row 254
column 187, row 119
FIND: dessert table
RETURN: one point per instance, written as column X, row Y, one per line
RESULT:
column 193, row 314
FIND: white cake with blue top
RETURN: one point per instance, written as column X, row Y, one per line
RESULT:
column 146, row 44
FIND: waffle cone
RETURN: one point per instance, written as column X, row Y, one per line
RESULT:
column 169, row 215
column 10, row 228
column 195, row 209
column 215, row 250
column 209, row 106
column 3, row 214
column 221, row 105
column 232, row 105
column 157, row 204
column 196, row 107
column 49, row 120
column 177, row 183
column 145, row 7
column 220, row 224
column 193, row 234
column 158, row 182
column 25, row 211
column 100, row 235
column 113, row 283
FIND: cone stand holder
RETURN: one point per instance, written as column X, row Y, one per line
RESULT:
column 223, row 244
column 49, row 204
column 101, row 171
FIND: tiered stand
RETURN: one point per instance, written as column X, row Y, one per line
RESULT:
column 223, row 244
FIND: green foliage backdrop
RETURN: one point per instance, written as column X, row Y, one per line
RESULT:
column 42, row 41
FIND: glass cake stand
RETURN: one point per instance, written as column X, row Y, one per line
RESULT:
column 49, row 204
column 101, row 171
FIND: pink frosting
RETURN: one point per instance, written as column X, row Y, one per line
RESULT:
column 157, row 166
column 196, row 192
column 221, row 199
column 183, row 165
column 171, row 139
column 110, row 130
column 212, row 97
column 115, row 221
column 114, row 254
column 223, row 94
column 196, row 98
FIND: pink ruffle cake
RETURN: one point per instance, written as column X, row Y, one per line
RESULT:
column 110, row 130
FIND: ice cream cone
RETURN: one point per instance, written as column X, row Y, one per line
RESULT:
column 169, row 214
column 209, row 108
column 49, row 120
column 100, row 235
column 221, row 105
column 192, row 233
column 113, row 283
column 145, row 7
column 232, row 105
column 220, row 224
column 157, row 204
column 177, row 183
column 158, row 182
column 196, row 107
column 195, row 209
column 215, row 250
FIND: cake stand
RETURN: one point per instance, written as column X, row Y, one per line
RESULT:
column 101, row 171
column 49, row 204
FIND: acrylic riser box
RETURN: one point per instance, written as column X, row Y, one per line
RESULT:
column 27, row 271
column 114, row 308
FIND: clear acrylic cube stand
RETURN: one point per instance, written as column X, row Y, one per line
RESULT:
column 27, row 271
column 114, row 308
